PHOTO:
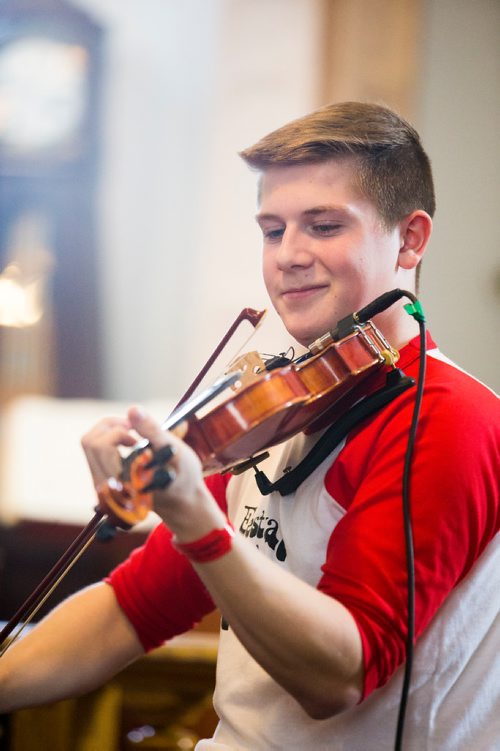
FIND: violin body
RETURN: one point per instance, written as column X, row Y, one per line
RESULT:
column 280, row 403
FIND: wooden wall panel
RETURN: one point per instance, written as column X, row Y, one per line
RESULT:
column 369, row 51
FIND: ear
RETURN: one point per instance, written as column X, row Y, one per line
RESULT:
column 415, row 231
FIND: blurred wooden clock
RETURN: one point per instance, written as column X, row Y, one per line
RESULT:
column 50, row 71
column 49, row 66
column 43, row 92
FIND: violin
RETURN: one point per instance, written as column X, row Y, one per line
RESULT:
column 264, row 408
column 268, row 407
column 252, row 407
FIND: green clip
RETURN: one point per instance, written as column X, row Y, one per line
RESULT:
column 415, row 309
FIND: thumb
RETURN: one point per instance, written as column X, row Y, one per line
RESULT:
column 147, row 427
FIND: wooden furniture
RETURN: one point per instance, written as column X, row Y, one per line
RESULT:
column 29, row 549
column 163, row 701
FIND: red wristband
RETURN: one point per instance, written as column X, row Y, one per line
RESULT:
column 217, row 543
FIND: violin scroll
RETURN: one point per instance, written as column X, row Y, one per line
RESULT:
column 127, row 502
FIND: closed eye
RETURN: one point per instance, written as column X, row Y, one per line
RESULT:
column 273, row 234
column 325, row 229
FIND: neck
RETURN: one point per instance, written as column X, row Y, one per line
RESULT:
column 397, row 325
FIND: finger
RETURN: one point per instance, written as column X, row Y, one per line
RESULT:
column 108, row 423
column 104, row 426
column 146, row 426
column 181, row 429
column 98, row 437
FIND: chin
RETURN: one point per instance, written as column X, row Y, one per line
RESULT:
column 306, row 336
column 305, row 327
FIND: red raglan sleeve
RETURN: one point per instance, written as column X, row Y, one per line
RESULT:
column 158, row 589
column 455, row 513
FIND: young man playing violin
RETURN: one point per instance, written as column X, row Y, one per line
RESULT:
column 312, row 585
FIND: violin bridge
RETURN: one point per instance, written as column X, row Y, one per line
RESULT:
column 251, row 366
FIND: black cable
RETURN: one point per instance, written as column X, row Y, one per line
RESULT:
column 344, row 328
column 416, row 311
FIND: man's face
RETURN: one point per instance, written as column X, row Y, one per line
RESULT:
column 325, row 251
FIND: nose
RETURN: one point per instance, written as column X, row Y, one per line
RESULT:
column 293, row 251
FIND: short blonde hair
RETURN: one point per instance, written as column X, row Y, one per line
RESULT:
column 391, row 168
